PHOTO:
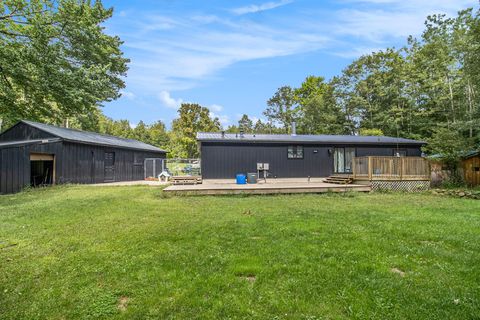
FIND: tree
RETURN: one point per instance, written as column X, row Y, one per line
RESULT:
column 371, row 132
column 154, row 134
column 281, row 108
column 266, row 128
column 192, row 118
column 158, row 135
column 317, row 110
column 449, row 145
column 245, row 124
column 56, row 62
column 141, row 132
column 373, row 85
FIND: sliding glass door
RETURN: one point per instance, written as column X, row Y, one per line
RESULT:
column 343, row 160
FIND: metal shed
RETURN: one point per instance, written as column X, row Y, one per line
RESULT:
column 33, row 153
column 293, row 156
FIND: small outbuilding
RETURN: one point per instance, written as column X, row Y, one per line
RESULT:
column 34, row 154
column 471, row 168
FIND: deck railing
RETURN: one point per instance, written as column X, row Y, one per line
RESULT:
column 390, row 168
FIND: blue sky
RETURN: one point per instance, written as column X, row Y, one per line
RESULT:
column 231, row 56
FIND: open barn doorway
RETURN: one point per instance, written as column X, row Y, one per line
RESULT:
column 42, row 169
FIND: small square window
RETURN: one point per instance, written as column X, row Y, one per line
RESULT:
column 137, row 158
column 295, row 152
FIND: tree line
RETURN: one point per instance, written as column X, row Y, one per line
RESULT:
column 58, row 66
column 429, row 90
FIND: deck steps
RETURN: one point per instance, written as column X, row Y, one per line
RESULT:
column 339, row 180
column 186, row 180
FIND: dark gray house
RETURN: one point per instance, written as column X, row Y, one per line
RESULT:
column 34, row 154
column 224, row 155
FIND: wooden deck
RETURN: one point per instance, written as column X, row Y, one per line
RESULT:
column 272, row 186
column 391, row 168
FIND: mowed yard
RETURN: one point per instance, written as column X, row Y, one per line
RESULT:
column 133, row 253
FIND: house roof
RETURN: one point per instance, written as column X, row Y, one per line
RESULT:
column 322, row 139
column 87, row 137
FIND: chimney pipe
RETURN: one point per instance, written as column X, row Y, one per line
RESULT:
column 241, row 133
column 294, row 128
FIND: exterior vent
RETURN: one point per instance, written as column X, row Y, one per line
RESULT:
column 294, row 128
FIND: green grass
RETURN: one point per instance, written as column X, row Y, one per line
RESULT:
column 75, row 252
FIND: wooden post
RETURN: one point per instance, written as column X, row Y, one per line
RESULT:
column 402, row 160
column 370, row 168
column 428, row 169
column 354, row 161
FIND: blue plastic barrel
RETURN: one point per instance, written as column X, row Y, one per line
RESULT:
column 241, row 179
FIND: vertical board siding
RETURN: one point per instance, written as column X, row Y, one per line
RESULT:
column 225, row 160
column 12, row 170
column 472, row 176
column 22, row 131
column 81, row 155
column 73, row 164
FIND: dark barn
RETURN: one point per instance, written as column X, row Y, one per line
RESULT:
column 224, row 155
column 33, row 154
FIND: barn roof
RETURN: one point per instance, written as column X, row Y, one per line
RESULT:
column 74, row 135
column 278, row 138
column 8, row 144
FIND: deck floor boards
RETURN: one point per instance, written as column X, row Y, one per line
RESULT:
column 272, row 186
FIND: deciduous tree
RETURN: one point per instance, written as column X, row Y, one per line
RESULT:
column 56, row 61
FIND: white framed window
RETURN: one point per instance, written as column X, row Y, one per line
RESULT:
column 295, row 152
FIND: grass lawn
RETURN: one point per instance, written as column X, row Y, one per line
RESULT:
column 131, row 253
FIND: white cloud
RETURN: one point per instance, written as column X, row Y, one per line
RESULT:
column 224, row 119
column 380, row 20
column 183, row 59
column 179, row 52
column 127, row 94
column 253, row 8
column 168, row 101
column 215, row 108
column 356, row 52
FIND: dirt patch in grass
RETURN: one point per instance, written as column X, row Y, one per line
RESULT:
column 247, row 212
column 250, row 277
column 122, row 303
column 398, row 271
